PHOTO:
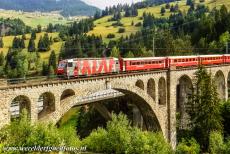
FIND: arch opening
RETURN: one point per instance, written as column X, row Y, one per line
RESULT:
column 140, row 84
column 144, row 115
column 228, row 85
column 46, row 104
column 18, row 104
column 67, row 93
column 151, row 88
column 183, row 94
column 162, row 91
column 220, row 84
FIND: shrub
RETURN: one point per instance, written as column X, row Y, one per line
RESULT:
column 121, row 30
column 147, row 142
column 118, row 23
column 216, row 143
column 139, row 24
column 188, row 146
column 110, row 35
column 227, row 146
column 120, row 137
column 21, row 133
column 97, row 140
column 56, row 39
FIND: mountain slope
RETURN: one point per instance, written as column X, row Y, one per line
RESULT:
column 67, row 7
column 104, row 26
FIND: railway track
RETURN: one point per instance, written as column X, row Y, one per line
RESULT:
column 44, row 80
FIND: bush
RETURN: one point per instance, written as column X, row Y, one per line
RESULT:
column 96, row 141
column 121, row 30
column 21, row 133
column 147, row 142
column 120, row 137
column 56, row 39
column 139, row 24
column 227, row 146
column 188, row 146
column 118, row 23
column 216, row 143
column 110, row 35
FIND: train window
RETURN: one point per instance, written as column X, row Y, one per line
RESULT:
column 70, row 64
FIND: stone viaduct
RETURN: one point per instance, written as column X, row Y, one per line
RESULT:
column 157, row 94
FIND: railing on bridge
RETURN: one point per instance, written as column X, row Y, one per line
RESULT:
column 101, row 95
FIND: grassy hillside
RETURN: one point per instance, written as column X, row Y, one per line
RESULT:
column 35, row 18
column 103, row 27
column 56, row 46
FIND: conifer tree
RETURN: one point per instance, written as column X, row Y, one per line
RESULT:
column 79, row 50
column 115, row 52
column 45, row 69
column 33, row 35
column 24, row 37
column 50, row 28
column 40, row 44
column 31, row 46
column 52, row 60
column 2, row 58
column 1, row 43
column 205, row 110
column 129, row 55
column 163, row 11
column 39, row 28
column 22, row 43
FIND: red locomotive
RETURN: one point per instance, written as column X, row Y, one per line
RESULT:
column 94, row 66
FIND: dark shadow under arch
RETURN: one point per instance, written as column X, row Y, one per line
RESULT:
column 162, row 91
column 48, row 104
column 18, row 104
column 149, row 117
column 151, row 88
column 140, row 84
column 220, row 84
column 183, row 94
column 67, row 93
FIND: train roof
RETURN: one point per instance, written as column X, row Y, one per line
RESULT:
column 145, row 58
column 211, row 55
column 194, row 56
column 175, row 57
column 76, row 59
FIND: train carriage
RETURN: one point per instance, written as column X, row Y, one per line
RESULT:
column 183, row 61
column 227, row 58
column 87, row 66
column 138, row 64
column 211, row 59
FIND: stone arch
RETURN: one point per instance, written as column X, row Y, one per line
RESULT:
column 46, row 104
column 144, row 102
column 67, row 93
column 228, row 84
column 183, row 93
column 162, row 91
column 151, row 88
column 220, row 84
column 140, row 84
column 18, row 104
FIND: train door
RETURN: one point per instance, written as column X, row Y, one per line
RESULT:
column 70, row 68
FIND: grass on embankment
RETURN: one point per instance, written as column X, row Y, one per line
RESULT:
column 56, row 46
column 103, row 27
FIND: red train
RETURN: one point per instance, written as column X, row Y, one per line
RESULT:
column 94, row 66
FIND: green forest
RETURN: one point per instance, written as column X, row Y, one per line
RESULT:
column 198, row 30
